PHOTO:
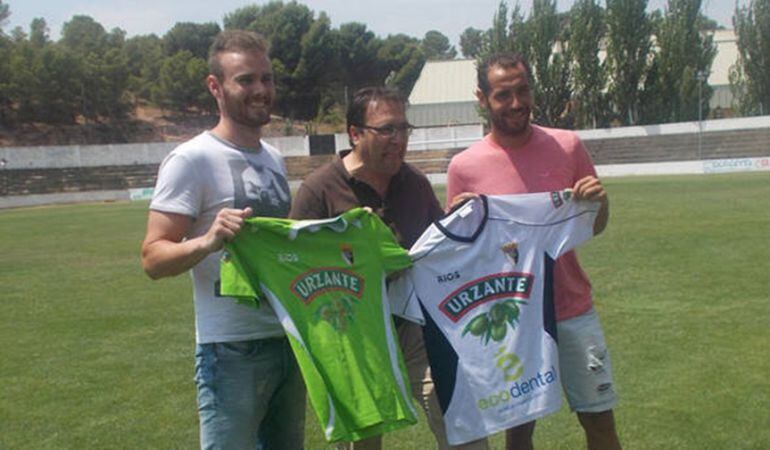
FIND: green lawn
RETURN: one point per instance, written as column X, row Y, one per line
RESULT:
column 95, row 355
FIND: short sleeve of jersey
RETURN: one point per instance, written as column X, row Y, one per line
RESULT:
column 403, row 298
column 394, row 257
column 561, row 222
column 572, row 224
column 178, row 189
column 234, row 281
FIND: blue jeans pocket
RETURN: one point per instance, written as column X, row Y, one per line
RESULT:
column 240, row 349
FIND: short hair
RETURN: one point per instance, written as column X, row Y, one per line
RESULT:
column 356, row 114
column 234, row 41
column 506, row 60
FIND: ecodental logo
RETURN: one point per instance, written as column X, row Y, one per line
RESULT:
column 315, row 282
column 520, row 390
column 482, row 290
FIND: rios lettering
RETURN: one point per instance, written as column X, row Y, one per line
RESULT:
column 315, row 282
column 482, row 290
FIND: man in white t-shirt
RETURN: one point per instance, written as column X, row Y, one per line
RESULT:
column 250, row 392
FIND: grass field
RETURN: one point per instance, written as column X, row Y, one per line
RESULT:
column 96, row 356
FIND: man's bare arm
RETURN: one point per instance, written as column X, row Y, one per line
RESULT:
column 165, row 252
column 591, row 188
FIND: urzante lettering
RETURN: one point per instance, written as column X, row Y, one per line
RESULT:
column 482, row 290
column 309, row 285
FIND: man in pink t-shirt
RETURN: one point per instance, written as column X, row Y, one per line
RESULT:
column 520, row 157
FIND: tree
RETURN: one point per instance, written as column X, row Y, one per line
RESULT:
column 471, row 42
column 505, row 36
column 196, row 38
column 6, row 103
column 104, row 78
column 497, row 36
column 357, row 50
column 402, row 61
column 629, row 36
column 311, row 77
column 181, row 84
column 144, row 57
column 84, row 35
column 284, row 25
column 38, row 32
column 750, row 80
column 587, row 30
column 44, row 83
column 436, row 46
column 548, row 63
column 684, row 58
column 5, row 13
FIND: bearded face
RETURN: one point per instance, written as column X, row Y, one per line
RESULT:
column 509, row 100
column 246, row 88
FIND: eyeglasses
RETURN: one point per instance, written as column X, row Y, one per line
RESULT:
column 390, row 131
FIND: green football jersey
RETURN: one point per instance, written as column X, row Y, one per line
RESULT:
column 325, row 279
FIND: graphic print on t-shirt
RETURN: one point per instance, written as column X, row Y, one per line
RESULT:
column 260, row 188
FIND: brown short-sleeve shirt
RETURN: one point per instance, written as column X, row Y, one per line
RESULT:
column 409, row 207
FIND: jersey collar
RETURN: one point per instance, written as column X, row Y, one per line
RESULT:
column 338, row 224
column 458, row 210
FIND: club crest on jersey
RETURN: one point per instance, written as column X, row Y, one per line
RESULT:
column 558, row 198
column 315, row 282
column 346, row 250
column 511, row 251
column 482, row 290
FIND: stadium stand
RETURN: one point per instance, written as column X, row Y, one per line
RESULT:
column 647, row 147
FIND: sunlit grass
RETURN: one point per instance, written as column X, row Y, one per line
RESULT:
column 95, row 355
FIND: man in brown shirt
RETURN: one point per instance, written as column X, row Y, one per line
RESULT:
column 374, row 174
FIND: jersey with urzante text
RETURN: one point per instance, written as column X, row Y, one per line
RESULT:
column 325, row 279
column 482, row 278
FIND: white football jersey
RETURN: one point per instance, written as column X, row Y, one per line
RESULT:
column 482, row 279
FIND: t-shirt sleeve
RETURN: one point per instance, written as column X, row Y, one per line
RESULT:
column 583, row 164
column 454, row 184
column 403, row 299
column 234, row 282
column 179, row 188
column 393, row 256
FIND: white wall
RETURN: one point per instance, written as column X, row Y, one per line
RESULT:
column 421, row 139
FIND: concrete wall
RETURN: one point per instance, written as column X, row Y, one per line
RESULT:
column 48, row 157
column 41, row 175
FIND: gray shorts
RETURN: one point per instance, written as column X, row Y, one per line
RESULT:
column 585, row 366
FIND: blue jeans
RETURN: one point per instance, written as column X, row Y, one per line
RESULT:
column 250, row 395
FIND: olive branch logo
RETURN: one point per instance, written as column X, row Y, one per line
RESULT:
column 494, row 324
column 338, row 313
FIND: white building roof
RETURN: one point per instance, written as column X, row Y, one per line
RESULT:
column 445, row 82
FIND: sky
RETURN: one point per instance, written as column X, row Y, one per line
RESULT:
column 383, row 17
